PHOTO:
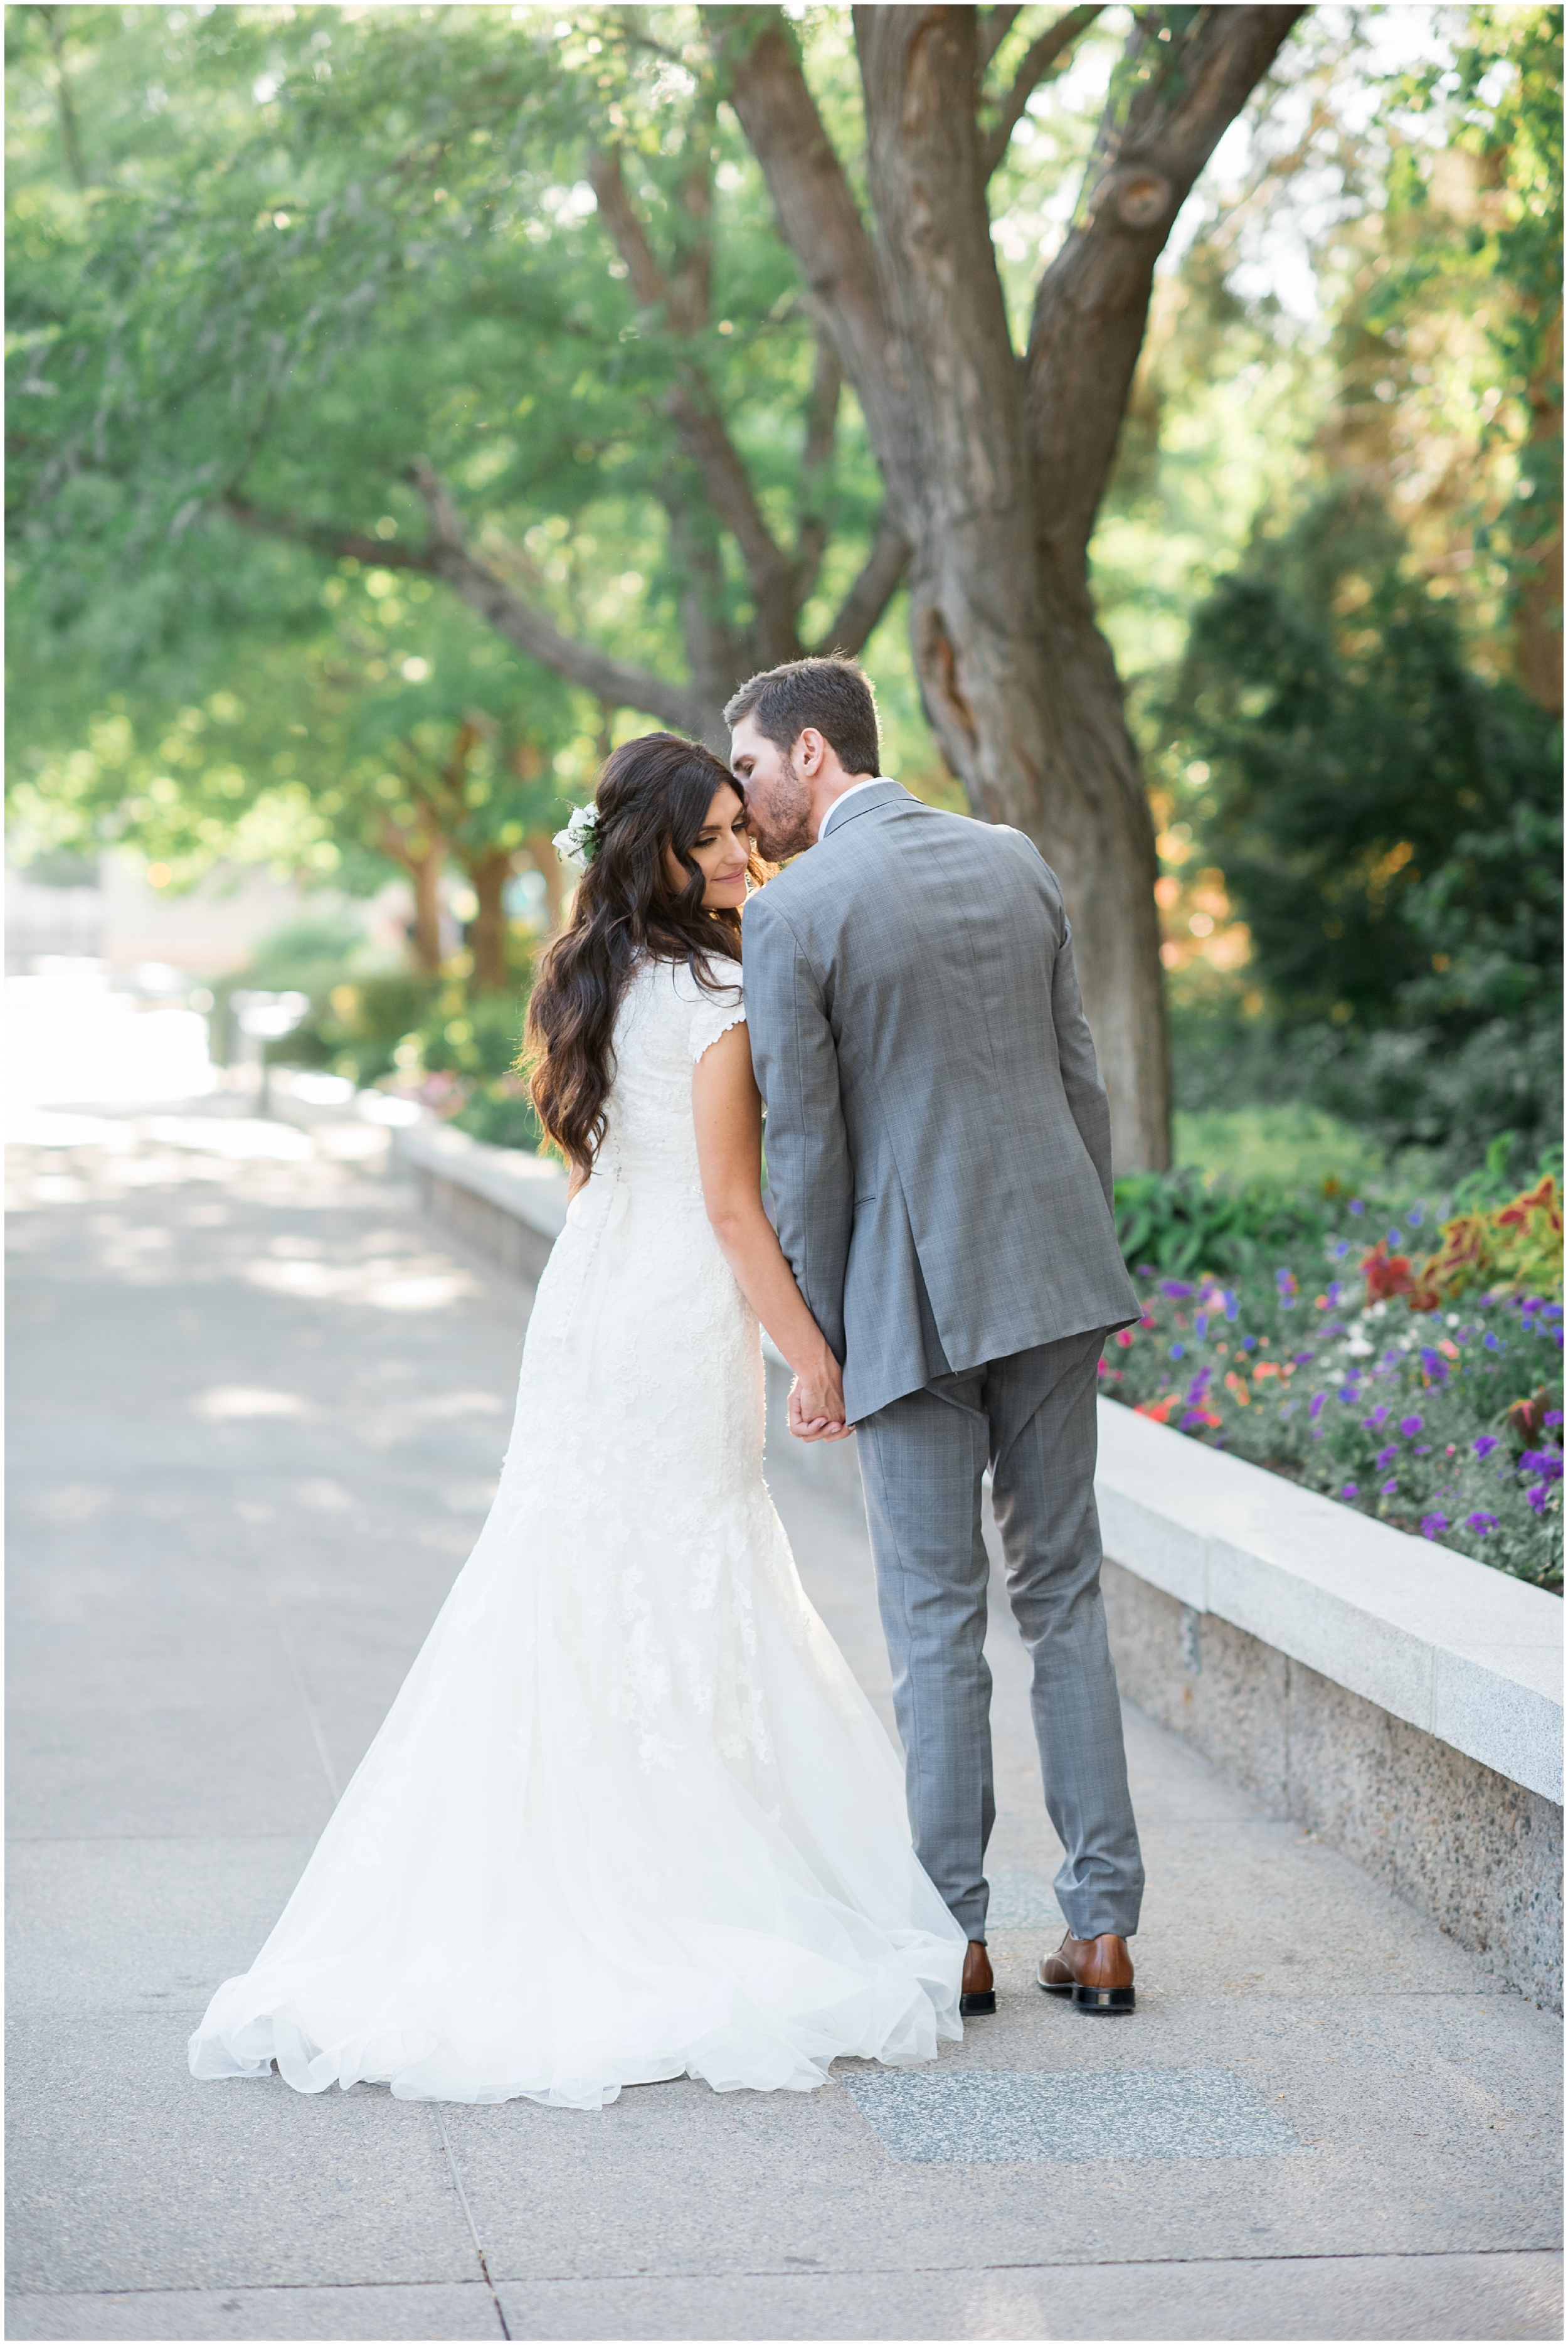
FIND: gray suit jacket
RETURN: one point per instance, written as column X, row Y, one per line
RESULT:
column 938, row 1142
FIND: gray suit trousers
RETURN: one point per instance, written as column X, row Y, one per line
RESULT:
column 1031, row 1418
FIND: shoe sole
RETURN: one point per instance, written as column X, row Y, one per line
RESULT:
column 1100, row 2001
column 975, row 2006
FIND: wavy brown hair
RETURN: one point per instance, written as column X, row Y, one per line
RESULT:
column 654, row 794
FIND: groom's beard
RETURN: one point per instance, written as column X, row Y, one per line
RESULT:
column 784, row 826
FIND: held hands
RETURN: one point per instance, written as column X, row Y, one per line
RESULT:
column 816, row 1405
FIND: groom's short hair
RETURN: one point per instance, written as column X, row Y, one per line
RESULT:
column 833, row 695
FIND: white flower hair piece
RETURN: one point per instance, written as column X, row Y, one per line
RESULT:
column 578, row 844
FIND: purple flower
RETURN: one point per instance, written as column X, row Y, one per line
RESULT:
column 1232, row 1304
column 1386, row 1456
column 1431, row 1524
column 1480, row 1523
column 1414, row 1217
column 1434, row 1364
column 1485, row 1444
column 1348, row 1395
column 1409, row 1427
column 1144, row 1270
column 1200, row 1325
column 1491, row 1342
column 1553, row 1416
column 1351, row 1490
column 1340, row 1249
column 1377, row 1415
column 1335, row 1291
column 1536, row 1497
column 1174, row 1289
column 1317, row 1408
column 1387, row 1489
column 1357, row 1206
column 1396, row 1237
column 1248, row 1344
column 1546, row 1462
column 1178, row 1351
column 1194, row 1416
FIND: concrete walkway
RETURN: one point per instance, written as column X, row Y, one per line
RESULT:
column 258, row 1407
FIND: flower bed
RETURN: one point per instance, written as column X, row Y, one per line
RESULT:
column 1439, row 1412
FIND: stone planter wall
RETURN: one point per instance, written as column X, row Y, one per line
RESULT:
column 1482, row 1855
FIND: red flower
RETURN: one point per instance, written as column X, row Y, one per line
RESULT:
column 1387, row 1274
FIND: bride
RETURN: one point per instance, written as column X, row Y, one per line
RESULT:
column 630, row 1817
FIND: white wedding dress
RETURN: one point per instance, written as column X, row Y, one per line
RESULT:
column 630, row 1816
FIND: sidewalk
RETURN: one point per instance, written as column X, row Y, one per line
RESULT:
column 258, row 1407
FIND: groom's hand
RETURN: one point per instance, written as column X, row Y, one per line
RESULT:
column 817, row 1408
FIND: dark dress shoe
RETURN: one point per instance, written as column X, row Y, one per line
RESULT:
column 1096, row 1972
column 978, row 1992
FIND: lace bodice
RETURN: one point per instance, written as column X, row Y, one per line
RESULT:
column 665, row 1022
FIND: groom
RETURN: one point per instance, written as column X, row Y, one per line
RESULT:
column 939, row 1149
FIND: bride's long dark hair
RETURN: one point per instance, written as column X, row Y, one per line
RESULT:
column 652, row 793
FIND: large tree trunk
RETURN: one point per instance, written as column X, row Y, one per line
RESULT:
column 540, row 846
column 1016, row 677
column 421, row 852
column 996, row 495
column 488, row 874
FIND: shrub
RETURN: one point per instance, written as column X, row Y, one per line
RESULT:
column 503, row 1113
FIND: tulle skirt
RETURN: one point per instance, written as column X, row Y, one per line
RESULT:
column 630, row 1817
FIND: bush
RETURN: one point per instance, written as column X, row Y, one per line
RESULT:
column 1398, row 1089
column 1389, row 823
column 503, row 1113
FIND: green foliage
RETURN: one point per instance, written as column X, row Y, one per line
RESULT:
column 501, row 1112
column 1389, row 824
column 366, row 238
column 478, row 1037
column 1176, row 1222
column 1292, row 1143
column 1502, row 103
column 1354, row 754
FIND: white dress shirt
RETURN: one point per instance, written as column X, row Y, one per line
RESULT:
column 844, row 800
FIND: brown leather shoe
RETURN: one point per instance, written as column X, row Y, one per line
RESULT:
column 1096, row 1972
column 978, row 1992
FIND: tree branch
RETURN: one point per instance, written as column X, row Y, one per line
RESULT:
column 445, row 555
column 819, row 219
column 817, row 464
column 616, row 210
column 70, row 132
column 993, row 29
column 1092, row 302
column 1051, row 49
column 691, row 404
column 872, row 592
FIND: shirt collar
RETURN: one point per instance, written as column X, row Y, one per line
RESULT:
column 873, row 782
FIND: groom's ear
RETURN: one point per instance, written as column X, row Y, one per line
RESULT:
column 808, row 752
